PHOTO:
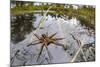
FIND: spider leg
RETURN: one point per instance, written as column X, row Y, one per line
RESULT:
column 55, row 39
column 59, row 44
column 52, row 35
column 40, row 52
column 36, row 36
column 49, row 54
column 33, row 44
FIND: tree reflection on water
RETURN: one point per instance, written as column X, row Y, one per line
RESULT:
column 21, row 25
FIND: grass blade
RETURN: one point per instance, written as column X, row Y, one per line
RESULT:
column 42, row 19
column 78, row 51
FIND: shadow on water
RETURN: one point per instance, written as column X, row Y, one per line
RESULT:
column 21, row 25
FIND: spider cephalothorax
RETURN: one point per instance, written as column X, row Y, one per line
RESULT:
column 44, row 40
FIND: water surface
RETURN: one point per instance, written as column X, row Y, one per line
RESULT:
column 23, row 27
